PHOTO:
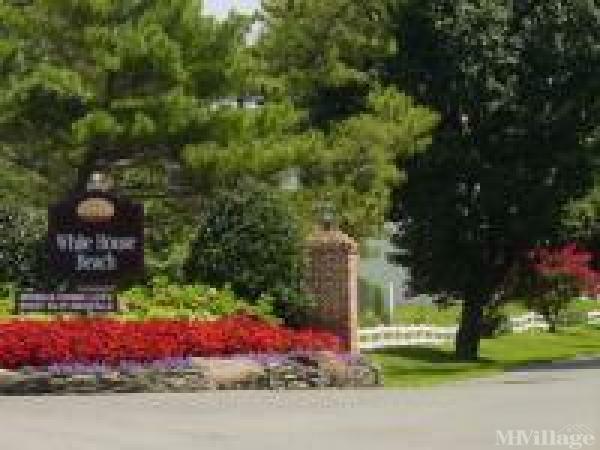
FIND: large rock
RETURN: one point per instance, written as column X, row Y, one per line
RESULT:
column 230, row 373
column 350, row 370
column 8, row 374
column 8, row 379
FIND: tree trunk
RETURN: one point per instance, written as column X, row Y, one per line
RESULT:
column 469, row 333
column 552, row 323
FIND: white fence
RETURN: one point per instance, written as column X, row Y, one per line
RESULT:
column 426, row 335
column 398, row 336
column 526, row 322
column 532, row 321
column 594, row 318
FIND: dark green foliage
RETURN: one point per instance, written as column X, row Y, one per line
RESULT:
column 582, row 221
column 325, row 57
column 170, row 230
column 250, row 239
column 23, row 261
column 86, row 84
column 352, row 165
column 323, row 53
column 517, row 86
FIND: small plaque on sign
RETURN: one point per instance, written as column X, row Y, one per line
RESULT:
column 84, row 302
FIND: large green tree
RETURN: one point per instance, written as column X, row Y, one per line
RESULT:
column 352, row 165
column 325, row 55
column 345, row 132
column 516, row 83
column 88, row 83
column 130, row 86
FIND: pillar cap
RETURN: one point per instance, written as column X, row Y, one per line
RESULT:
column 333, row 238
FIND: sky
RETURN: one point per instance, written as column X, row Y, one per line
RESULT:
column 221, row 7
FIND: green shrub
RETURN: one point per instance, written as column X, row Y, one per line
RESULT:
column 7, row 298
column 251, row 240
column 168, row 237
column 23, row 253
column 369, row 318
column 164, row 299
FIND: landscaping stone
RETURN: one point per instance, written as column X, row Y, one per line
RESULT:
column 8, row 375
column 302, row 371
column 229, row 373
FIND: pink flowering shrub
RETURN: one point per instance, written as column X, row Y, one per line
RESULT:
column 559, row 275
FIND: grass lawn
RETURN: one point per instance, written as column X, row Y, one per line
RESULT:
column 421, row 367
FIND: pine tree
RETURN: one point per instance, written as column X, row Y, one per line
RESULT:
column 86, row 84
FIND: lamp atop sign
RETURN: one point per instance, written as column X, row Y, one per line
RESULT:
column 99, row 182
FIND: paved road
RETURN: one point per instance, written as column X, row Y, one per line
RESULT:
column 464, row 416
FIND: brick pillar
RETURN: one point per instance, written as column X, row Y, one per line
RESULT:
column 332, row 279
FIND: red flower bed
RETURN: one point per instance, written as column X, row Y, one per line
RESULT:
column 33, row 343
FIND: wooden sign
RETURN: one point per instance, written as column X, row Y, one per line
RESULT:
column 96, row 238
